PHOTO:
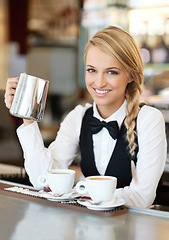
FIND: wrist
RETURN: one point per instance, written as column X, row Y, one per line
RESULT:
column 27, row 122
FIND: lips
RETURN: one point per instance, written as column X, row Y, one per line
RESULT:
column 101, row 92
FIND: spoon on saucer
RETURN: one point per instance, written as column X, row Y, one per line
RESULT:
column 90, row 201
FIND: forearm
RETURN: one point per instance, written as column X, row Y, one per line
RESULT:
column 38, row 159
column 132, row 197
column 36, row 165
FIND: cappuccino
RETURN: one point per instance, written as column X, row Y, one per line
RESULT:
column 99, row 188
column 97, row 178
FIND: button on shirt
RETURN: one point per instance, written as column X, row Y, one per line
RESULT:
column 151, row 157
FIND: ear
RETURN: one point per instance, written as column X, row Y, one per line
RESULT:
column 130, row 80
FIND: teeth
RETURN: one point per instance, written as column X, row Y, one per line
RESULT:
column 102, row 92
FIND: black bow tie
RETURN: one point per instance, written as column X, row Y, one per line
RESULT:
column 96, row 126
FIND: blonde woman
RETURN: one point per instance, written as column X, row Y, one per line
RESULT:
column 115, row 135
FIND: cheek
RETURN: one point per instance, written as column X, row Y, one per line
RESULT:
column 119, row 84
column 87, row 84
column 88, row 79
column 115, row 83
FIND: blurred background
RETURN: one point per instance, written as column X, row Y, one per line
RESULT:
column 46, row 38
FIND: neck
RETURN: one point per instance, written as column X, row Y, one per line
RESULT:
column 105, row 111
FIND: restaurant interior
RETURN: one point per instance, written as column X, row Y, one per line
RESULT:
column 46, row 38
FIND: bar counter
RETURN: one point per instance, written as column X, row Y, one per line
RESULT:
column 24, row 219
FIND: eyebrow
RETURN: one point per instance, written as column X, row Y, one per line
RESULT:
column 89, row 66
column 113, row 68
column 110, row 68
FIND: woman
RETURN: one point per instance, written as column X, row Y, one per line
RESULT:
column 114, row 77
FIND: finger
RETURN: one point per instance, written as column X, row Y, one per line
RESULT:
column 10, row 80
column 8, row 101
column 16, row 79
column 10, row 91
column 9, row 94
column 11, row 84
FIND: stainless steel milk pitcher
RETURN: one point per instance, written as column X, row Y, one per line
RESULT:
column 30, row 98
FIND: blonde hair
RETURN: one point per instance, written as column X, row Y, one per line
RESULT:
column 120, row 45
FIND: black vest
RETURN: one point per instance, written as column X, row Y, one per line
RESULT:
column 120, row 162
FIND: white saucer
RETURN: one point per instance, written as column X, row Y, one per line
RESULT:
column 66, row 197
column 102, row 206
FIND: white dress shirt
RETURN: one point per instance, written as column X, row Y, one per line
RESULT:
column 151, row 157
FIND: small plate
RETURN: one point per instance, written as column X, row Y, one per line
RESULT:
column 66, row 197
column 102, row 206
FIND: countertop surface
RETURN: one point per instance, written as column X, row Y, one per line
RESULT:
column 24, row 219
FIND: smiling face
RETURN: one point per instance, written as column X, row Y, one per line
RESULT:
column 106, row 81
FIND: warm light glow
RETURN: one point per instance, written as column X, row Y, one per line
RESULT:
column 148, row 20
column 148, row 3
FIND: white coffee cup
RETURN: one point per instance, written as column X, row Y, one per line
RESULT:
column 60, row 181
column 99, row 188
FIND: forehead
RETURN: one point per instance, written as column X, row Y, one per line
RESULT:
column 97, row 57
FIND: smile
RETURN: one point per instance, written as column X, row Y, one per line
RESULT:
column 101, row 91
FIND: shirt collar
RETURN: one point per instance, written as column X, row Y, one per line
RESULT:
column 119, row 115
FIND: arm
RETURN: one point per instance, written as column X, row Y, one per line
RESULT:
column 151, row 159
column 38, row 159
column 60, row 153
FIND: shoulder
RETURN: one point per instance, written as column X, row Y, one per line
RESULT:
column 78, row 112
column 149, row 117
column 73, row 119
column 149, row 112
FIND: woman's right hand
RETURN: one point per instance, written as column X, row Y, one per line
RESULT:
column 9, row 94
column 10, row 91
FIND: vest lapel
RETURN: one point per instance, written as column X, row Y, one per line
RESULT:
column 88, row 166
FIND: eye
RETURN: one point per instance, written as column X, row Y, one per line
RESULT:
column 112, row 72
column 90, row 70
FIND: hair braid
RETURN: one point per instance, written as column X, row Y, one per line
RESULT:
column 133, row 91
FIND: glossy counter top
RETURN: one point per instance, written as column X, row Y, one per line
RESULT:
column 23, row 219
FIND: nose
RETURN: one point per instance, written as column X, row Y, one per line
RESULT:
column 100, row 80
